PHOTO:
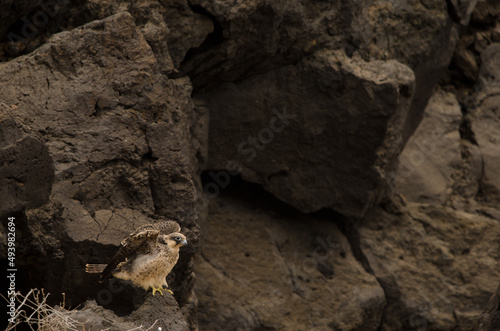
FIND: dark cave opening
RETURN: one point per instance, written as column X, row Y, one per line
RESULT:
column 213, row 39
column 252, row 194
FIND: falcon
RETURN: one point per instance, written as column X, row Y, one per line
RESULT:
column 145, row 257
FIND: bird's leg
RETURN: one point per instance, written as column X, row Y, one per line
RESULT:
column 157, row 289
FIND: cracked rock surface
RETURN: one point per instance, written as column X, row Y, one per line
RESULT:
column 300, row 271
column 93, row 103
column 437, row 265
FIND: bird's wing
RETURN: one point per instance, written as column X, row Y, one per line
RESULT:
column 165, row 227
column 128, row 247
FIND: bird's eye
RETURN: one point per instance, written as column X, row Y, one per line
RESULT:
column 177, row 238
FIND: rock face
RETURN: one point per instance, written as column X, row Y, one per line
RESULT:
column 300, row 270
column 486, row 123
column 303, row 146
column 429, row 161
column 95, row 124
column 437, row 266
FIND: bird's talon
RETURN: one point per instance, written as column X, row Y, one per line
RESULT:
column 155, row 289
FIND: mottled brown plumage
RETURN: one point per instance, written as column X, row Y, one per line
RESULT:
column 145, row 257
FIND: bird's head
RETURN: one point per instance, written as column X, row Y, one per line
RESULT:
column 173, row 240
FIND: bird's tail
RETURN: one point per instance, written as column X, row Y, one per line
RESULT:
column 94, row 268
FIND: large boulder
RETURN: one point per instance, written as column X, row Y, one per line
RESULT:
column 252, row 37
column 298, row 59
column 283, row 128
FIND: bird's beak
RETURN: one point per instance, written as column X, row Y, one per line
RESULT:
column 184, row 242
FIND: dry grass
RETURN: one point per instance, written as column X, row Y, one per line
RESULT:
column 33, row 310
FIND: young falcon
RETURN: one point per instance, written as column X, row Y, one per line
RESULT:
column 145, row 257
